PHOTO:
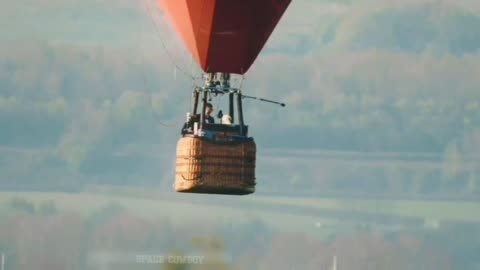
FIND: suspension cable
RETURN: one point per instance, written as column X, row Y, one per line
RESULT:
column 143, row 60
column 157, row 29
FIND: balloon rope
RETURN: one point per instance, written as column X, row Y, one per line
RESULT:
column 157, row 29
column 241, row 83
column 143, row 59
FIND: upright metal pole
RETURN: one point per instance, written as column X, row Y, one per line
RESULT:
column 209, row 77
column 204, row 106
column 240, row 112
column 2, row 263
column 231, row 109
column 226, row 86
column 195, row 101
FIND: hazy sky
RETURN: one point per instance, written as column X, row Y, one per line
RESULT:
column 306, row 25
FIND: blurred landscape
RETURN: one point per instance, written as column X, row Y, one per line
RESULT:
column 373, row 164
column 110, row 229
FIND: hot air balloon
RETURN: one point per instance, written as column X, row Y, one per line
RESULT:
column 224, row 37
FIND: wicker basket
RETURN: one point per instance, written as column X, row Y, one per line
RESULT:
column 205, row 166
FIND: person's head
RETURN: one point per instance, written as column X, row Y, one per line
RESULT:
column 226, row 119
column 208, row 109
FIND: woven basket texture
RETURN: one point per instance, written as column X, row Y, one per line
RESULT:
column 207, row 167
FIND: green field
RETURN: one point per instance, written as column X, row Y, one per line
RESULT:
column 282, row 213
column 440, row 210
column 175, row 210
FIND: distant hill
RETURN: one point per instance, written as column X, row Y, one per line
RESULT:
column 92, row 80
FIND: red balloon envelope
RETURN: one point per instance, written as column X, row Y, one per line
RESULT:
column 224, row 35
